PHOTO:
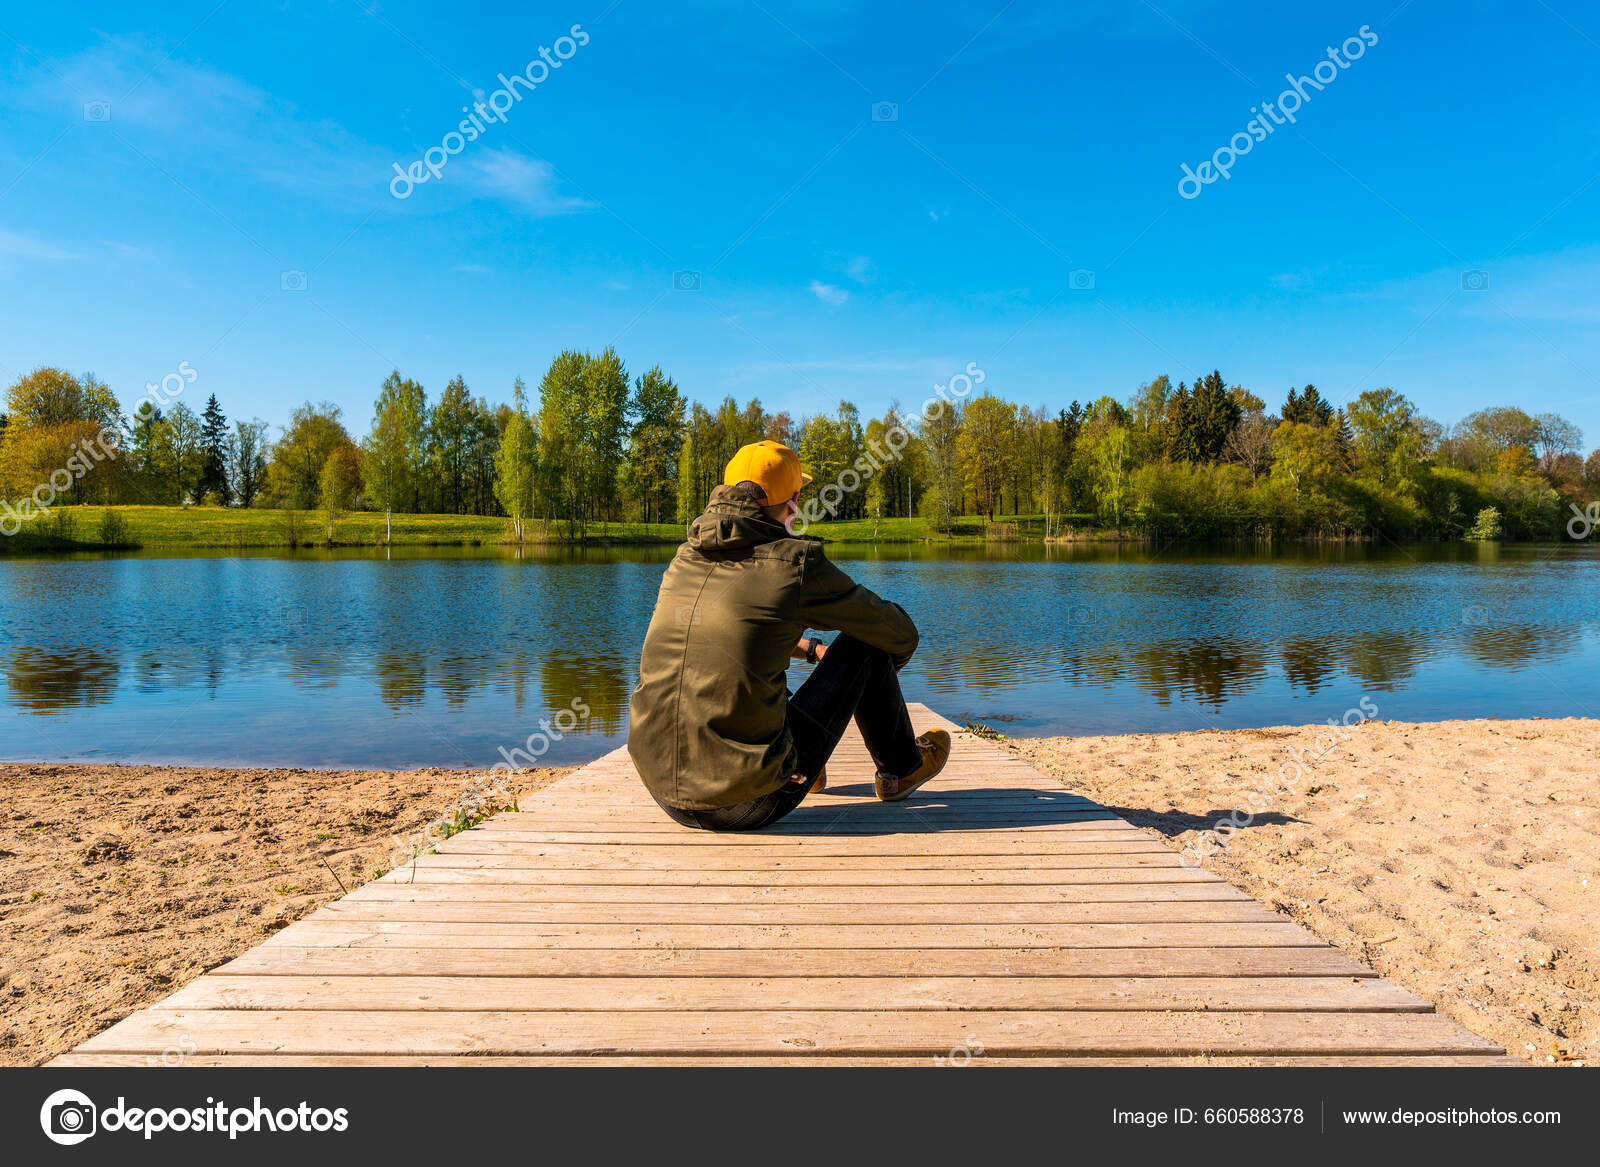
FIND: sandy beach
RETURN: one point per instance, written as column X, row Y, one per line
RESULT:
column 120, row 884
column 1458, row 859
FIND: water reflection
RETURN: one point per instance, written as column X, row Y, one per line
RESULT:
column 351, row 658
column 1307, row 665
column 40, row 681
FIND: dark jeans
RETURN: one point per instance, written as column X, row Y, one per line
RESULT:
column 852, row 680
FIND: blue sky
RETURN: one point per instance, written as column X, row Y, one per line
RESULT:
column 839, row 256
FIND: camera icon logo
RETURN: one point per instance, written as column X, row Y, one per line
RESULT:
column 1474, row 281
column 292, row 281
column 97, row 111
column 1081, row 279
column 68, row 1117
column 685, row 281
column 885, row 111
column 1475, row 616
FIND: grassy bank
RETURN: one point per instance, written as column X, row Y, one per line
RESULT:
column 224, row 528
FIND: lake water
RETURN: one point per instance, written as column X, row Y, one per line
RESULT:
column 430, row 658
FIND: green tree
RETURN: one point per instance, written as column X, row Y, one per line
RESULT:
column 393, row 451
column 1386, row 442
column 294, row 473
column 338, row 484
column 1307, row 408
column 213, row 476
column 562, row 404
column 450, row 434
column 987, row 449
column 52, row 397
column 1113, row 463
column 186, row 453
column 600, row 444
column 1487, row 528
column 247, row 460
column 655, row 444
column 517, row 466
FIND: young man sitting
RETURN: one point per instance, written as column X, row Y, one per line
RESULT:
column 712, row 728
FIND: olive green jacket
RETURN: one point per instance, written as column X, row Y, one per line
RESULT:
column 708, row 723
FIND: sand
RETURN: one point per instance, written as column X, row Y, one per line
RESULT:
column 120, row 884
column 1459, row 859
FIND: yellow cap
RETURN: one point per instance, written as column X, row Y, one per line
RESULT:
column 770, row 465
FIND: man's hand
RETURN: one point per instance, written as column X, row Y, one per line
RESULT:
column 803, row 650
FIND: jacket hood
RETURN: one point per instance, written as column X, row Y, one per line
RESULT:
column 732, row 522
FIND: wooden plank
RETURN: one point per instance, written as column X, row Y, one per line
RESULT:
column 464, row 960
column 666, row 833
column 322, row 930
column 826, row 857
column 942, row 850
column 746, row 994
column 787, row 1031
column 844, row 916
column 483, row 891
column 881, row 877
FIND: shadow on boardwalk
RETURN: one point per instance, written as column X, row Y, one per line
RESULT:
column 1004, row 808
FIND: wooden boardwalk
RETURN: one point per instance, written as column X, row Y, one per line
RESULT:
column 994, row 919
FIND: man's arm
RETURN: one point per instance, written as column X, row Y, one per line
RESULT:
column 833, row 601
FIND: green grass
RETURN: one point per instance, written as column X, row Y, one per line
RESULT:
column 231, row 528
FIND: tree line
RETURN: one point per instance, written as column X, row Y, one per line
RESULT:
column 592, row 446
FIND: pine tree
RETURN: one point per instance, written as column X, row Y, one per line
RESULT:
column 1343, row 441
column 1307, row 408
column 1215, row 412
column 214, row 453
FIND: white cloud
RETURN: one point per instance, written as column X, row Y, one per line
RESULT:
column 187, row 117
column 27, row 247
column 829, row 293
column 522, row 180
column 862, row 270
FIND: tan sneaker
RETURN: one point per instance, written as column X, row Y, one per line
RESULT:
column 935, row 748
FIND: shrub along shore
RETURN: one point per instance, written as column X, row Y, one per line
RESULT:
column 112, row 528
column 132, row 528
